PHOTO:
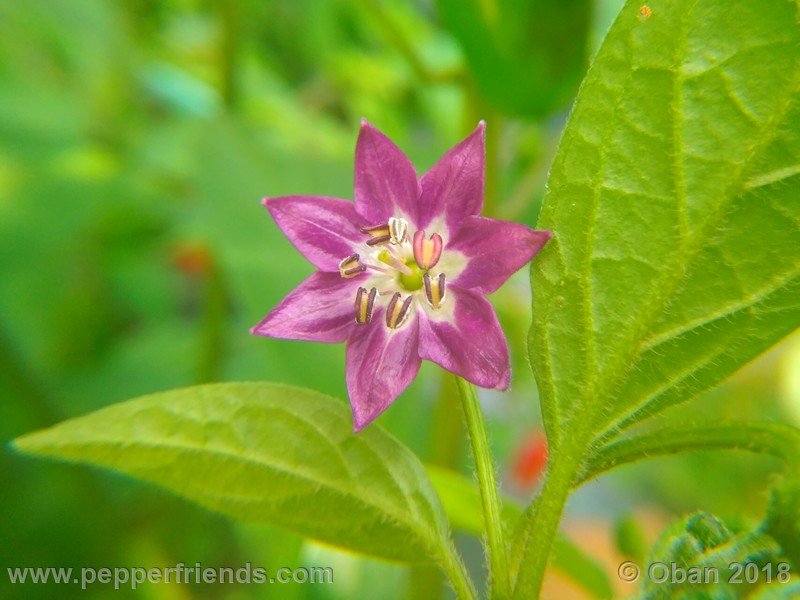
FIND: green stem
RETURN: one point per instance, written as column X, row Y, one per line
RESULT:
column 229, row 49
column 406, row 47
column 542, row 519
column 457, row 574
column 492, row 509
column 475, row 110
column 215, row 315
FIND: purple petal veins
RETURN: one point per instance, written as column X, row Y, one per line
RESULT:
column 403, row 271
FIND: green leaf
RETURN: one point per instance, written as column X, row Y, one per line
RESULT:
column 783, row 517
column 673, row 202
column 776, row 439
column 462, row 503
column 701, row 544
column 527, row 57
column 676, row 249
column 573, row 562
column 630, row 538
column 266, row 453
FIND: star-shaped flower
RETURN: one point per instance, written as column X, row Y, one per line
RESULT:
column 402, row 271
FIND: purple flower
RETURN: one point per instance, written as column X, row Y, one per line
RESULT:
column 402, row 271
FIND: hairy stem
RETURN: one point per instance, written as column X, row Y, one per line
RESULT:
column 541, row 520
column 457, row 574
column 498, row 562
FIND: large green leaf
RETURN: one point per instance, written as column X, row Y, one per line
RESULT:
column 266, row 453
column 673, row 200
column 674, row 203
column 527, row 57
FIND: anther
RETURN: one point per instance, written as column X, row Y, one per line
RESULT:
column 427, row 252
column 351, row 266
column 365, row 302
column 434, row 289
column 397, row 312
column 398, row 230
column 378, row 234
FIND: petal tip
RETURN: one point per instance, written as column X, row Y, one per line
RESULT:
column 538, row 238
column 360, row 421
column 504, row 383
column 262, row 327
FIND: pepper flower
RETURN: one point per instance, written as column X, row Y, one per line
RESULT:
column 402, row 272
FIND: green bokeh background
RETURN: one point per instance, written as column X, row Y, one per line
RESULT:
column 136, row 140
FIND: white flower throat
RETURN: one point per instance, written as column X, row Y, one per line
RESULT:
column 401, row 269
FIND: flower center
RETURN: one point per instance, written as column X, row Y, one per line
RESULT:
column 413, row 280
column 405, row 268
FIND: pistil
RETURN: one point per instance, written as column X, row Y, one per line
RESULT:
column 427, row 252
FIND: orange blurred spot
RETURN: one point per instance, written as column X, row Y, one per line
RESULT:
column 193, row 259
column 530, row 461
column 645, row 12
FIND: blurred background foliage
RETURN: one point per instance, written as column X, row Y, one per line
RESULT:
column 136, row 140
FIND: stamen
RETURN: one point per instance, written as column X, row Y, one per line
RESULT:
column 376, row 241
column 351, row 266
column 427, row 252
column 434, row 289
column 379, row 234
column 365, row 302
column 398, row 230
column 397, row 311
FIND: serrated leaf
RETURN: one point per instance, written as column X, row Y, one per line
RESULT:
column 674, row 203
column 527, row 58
column 265, row 453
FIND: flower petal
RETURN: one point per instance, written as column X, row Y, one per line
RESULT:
column 453, row 188
column 465, row 338
column 325, row 230
column 494, row 250
column 381, row 363
column 321, row 309
column 386, row 183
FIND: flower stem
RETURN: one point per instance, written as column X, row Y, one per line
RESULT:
column 498, row 562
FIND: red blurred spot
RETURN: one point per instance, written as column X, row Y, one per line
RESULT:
column 193, row 259
column 530, row 461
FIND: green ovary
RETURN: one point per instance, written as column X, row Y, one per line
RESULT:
column 411, row 281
